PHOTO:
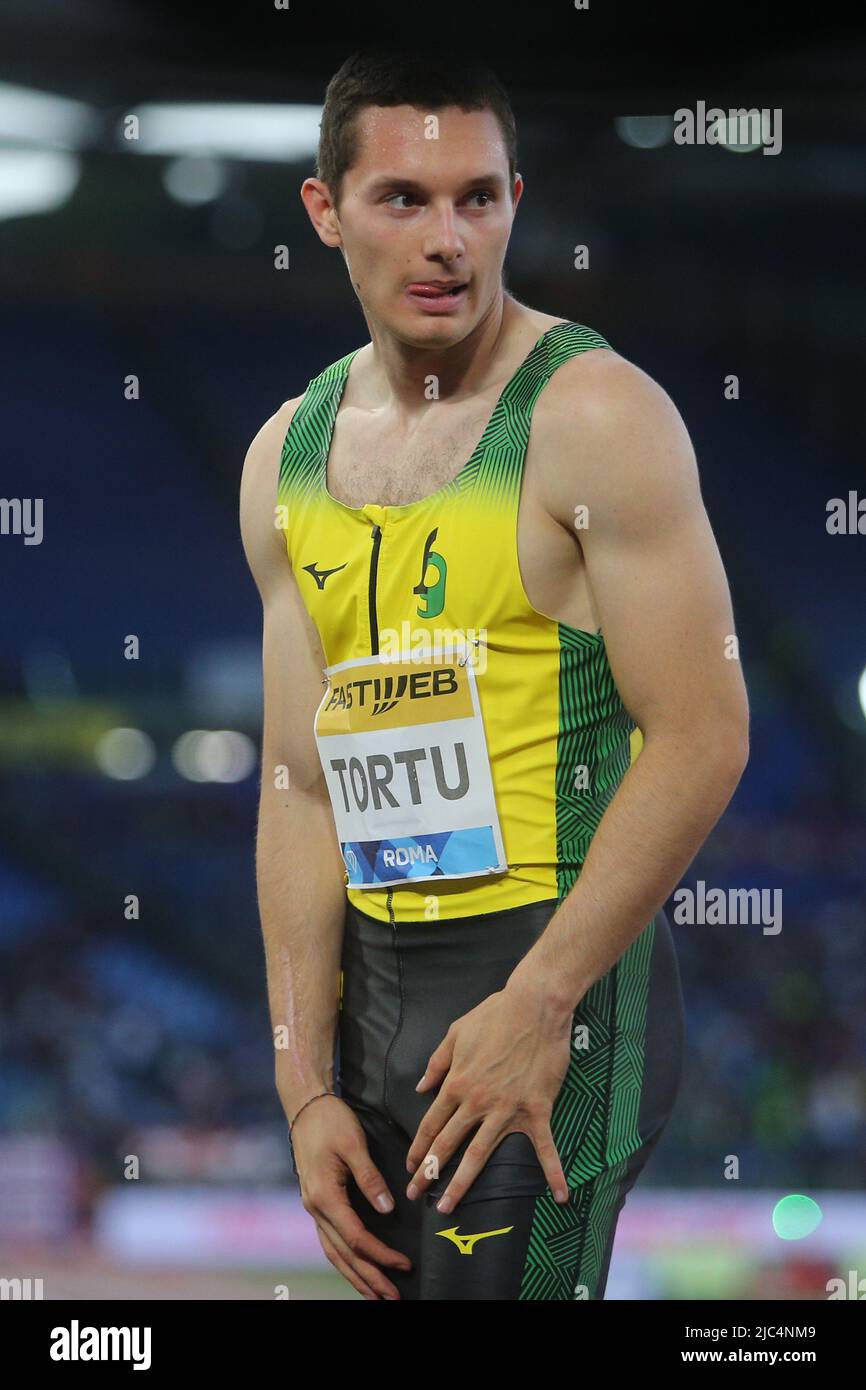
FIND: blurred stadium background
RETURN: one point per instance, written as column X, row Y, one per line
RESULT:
column 148, row 1035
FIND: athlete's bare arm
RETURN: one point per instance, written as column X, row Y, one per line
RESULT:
column 618, row 446
column 299, row 871
column 611, row 441
column 301, row 890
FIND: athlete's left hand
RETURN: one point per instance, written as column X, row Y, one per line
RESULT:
column 500, row 1067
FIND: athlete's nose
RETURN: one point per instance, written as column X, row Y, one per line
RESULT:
column 443, row 239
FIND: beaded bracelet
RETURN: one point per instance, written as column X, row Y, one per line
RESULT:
column 309, row 1102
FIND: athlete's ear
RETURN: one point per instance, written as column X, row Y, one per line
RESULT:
column 316, row 198
column 518, row 190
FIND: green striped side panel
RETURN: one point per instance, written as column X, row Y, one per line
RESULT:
column 568, row 1243
column 496, row 467
column 594, row 734
column 595, row 1117
column 308, row 436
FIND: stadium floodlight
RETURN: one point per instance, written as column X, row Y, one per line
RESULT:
column 861, row 691
column 214, row 755
column 36, row 180
column 233, row 130
column 645, row 132
column 125, row 754
column 30, row 117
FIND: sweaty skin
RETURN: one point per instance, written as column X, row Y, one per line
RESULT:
column 620, row 449
column 646, row 569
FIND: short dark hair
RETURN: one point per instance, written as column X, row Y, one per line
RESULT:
column 380, row 77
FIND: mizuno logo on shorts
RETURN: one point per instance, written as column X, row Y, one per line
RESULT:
column 465, row 1243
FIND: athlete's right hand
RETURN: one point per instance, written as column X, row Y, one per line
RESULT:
column 330, row 1146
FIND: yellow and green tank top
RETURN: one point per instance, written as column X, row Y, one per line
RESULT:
column 556, row 738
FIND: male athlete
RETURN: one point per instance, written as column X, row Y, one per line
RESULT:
column 502, row 712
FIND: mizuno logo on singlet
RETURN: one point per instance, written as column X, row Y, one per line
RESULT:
column 465, row 1243
column 321, row 575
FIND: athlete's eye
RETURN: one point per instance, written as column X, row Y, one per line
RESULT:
column 479, row 193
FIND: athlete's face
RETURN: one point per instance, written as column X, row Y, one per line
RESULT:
column 427, row 199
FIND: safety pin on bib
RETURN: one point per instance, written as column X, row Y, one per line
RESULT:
column 477, row 642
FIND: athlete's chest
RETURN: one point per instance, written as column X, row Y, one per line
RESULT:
column 371, row 462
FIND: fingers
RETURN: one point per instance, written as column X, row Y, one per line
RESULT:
column 473, row 1160
column 343, row 1266
column 430, row 1129
column 327, row 1199
column 358, row 1247
column 362, row 1275
column 542, row 1141
column 336, row 1210
column 368, row 1178
column 344, row 1237
column 438, row 1065
column 489, row 1135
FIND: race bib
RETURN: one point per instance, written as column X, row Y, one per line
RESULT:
column 402, row 746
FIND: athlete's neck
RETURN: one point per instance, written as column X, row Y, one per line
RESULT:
column 396, row 375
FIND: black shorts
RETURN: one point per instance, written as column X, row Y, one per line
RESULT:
column 403, row 985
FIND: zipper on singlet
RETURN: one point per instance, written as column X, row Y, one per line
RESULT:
column 376, row 538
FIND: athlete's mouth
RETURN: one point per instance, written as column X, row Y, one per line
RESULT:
column 434, row 291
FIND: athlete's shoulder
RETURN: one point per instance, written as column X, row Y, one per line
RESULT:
column 607, row 429
column 263, row 543
column 263, row 454
column 273, row 433
column 599, row 389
